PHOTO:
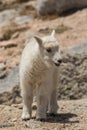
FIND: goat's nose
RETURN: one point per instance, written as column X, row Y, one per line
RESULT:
column 60, row 61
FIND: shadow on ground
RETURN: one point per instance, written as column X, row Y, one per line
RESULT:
column 61, row 118
column 71, row 11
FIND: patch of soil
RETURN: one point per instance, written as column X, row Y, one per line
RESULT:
column 71, row 115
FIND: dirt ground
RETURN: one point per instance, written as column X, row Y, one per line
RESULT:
column 71, row 116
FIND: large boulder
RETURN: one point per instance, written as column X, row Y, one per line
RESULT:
column 59, row 6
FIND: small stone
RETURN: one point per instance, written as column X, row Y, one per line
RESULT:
column 2, row 60
column 19, row 106
column 15, row 35
column 2, row 67
column 3, row 75
column 23, row 19
column 45, row 128
column 6, row 124
column 8, row 44
column 32, row 124
column 14, row 120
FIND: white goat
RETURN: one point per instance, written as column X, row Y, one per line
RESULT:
column 38, row 70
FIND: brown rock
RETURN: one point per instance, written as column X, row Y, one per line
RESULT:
column 8, row 44
column 2, row 60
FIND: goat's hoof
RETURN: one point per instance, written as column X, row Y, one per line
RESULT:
column 41, row 119
column 25, row 117
column 52, row 114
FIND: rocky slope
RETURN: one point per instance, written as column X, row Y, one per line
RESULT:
column 17, row 23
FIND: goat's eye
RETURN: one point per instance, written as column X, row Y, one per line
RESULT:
column 49, row 50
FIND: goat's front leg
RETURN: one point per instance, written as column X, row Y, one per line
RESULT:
column 27, row 103
column 52, row 105
column 42, row 100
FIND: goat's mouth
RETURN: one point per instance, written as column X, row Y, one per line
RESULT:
column 58, row 63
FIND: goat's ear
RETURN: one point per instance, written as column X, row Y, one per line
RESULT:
column 38, row 39
column 53, row 33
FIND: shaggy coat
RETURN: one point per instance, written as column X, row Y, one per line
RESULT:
column 38, row 72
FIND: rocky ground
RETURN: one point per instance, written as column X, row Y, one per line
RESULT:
column 19, row 22
column 71, row 116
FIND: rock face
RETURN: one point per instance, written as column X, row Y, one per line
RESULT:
column 11, row 80
column 6, row 15
column 59, row 6
column 81, row 48
column 73, row 77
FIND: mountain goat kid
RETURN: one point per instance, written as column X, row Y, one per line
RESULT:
column 38, row 72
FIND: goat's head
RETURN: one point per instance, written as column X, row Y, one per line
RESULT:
column 50, row 50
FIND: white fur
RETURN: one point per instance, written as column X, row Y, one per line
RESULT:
column 38, row 72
